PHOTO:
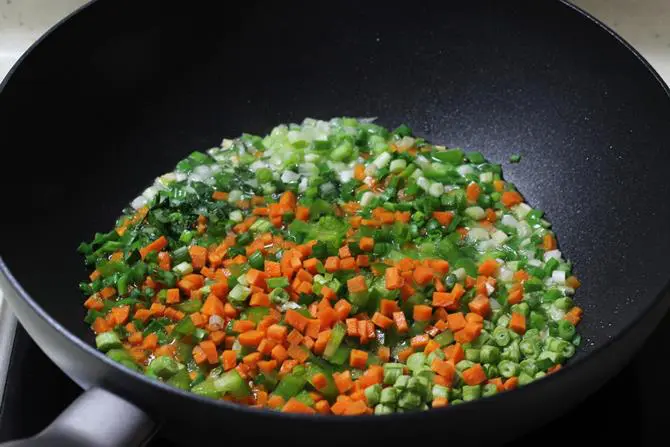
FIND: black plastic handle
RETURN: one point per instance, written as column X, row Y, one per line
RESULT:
column 96, row 418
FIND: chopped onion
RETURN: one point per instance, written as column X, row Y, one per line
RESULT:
column 465, row 170
column 558, row 276
column 290, row 177
column 552, row 254
column 139, row 202
column 479, row 234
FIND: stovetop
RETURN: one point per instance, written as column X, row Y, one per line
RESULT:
column 632, row 407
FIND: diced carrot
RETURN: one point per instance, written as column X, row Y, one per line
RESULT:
column 343, row 381
column 423, row 275
column 358, row 359
column 279, row 353
column 296, row 320
column 518, row 323
column 277, row 332
column 348, row 263
column 288, row 200
column 363, row 331
column 213, row 306
column 342, row 309
column 294, row 337
column 357, row 284
column 548, row 242
column 295, row 406
column 400, row 321
column 302, row 213
column 363, row 260
column 572, row 281
column 344, row 252
column 298, row 353
column 319, row 381
column 332, row 264
column 107, row 292
column 252, row 359
column 498, row 185
column 359, row 172
column 156, row 245
column 275, row 401
column 472, row 192
column 491, row 215
column 209, row 348
column 511, row 198
column 259, row 300
column 382, row 321
column 402, row 355
column 444, row 369
column 272, row 269
column 393, row 279
column 352, row 327
column 480, row 305
column 419, row 341
column 229, row 310
column 421, row 312
column 198, row 256
column 574, row 315
column 321, row 341
column 240, row 326
column 443, row 217
column 120, row 314
column 142, row 315
column 384, row 353
column 515, row 295
column 250, row 338
column 94, row 302
column 488, row 268
column 511, row 383
column 256, row 277
column 474, row 375
column 219, row 195
column 443, row 299
column 199, row 355
column 456, row 321
column 100, row 325
column 454, row 352
column 387, row 307
column 497, row 381
column 366, row 243
column 312, row 328
column 150, row 341
column 554, row 368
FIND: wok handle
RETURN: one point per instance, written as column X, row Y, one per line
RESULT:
column 96, row 418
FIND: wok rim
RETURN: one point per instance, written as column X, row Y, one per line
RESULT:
column 331, row 419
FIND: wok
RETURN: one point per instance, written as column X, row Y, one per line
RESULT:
column 120, row 91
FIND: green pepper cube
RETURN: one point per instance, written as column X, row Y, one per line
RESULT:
column 164, row 366
column 107, row 340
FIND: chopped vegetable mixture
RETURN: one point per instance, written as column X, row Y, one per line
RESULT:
column 333, row 268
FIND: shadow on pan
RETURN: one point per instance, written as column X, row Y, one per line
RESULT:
column 121, row 91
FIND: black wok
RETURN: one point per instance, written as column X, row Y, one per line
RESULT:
column 122, row 90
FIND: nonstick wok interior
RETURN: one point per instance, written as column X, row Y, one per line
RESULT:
column 126, row 89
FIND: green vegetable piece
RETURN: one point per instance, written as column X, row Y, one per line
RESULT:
column 107, row 340
column 164, row 366
column 416, row 361
column 290, row 385
column 373, row 394
column 471, row 392
column 389, row 396
column 336, row 336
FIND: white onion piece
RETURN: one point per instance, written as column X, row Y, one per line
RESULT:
column 552, row 254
